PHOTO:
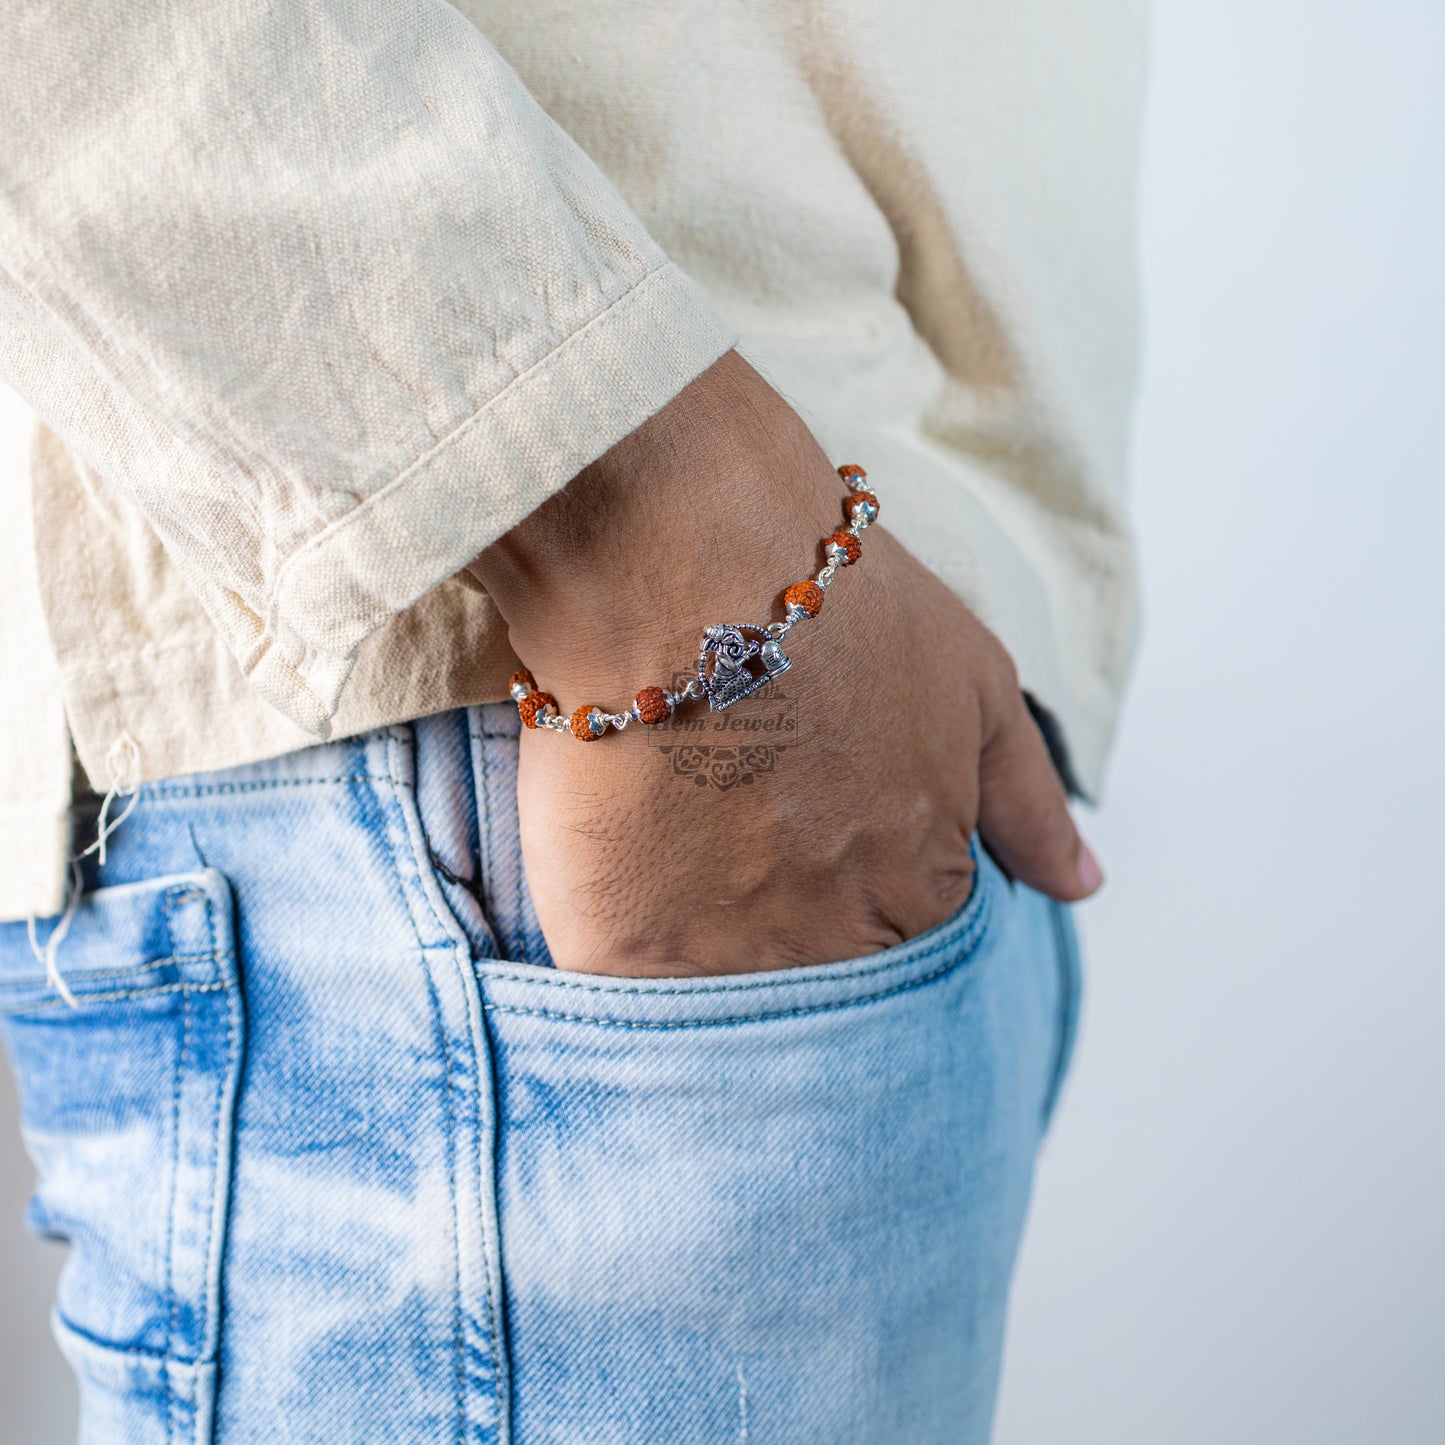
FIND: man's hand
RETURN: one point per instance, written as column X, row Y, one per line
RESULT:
column 911, row 727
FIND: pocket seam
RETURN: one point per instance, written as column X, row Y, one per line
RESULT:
column 228, row 1085
column 39, row 980
column 961, row 929
column 160, row 790
column 171, row 898
column 117, row 1352
column 115, row 995
column 955, row 961
column 191, row 1383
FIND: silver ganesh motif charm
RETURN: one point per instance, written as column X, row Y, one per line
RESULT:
column 737, row 659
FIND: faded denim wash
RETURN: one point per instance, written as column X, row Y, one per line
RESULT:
column 341, row 1157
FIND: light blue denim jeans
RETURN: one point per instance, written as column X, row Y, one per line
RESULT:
column 341, row 1158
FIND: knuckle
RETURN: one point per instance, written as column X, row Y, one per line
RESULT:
column 999, row 685
column 1001, row 663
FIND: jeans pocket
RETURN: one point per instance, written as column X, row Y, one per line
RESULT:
column 773, row 1205
column 127, row 1100
column 716, row 1000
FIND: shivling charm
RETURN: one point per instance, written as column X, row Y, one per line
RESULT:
column 737, row 658
column 725, row 668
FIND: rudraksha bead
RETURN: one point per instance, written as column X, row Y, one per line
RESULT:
column 533, row 703
column 524, row 679
column 582, row 723
column 853, row 497
column 848, row 472
column 652, row 705
column 807, row 596
column 852, row 547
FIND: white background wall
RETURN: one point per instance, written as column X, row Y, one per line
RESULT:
column 1239, row 1221
column 1239, row 1233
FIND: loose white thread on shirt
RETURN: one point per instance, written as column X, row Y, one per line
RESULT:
column 122, row 766
column 46, row 955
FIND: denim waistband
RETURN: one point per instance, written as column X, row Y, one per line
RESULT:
column 462, row 766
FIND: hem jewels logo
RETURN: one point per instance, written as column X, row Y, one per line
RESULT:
column 732, row 748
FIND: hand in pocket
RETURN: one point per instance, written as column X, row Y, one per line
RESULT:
column 910, row 733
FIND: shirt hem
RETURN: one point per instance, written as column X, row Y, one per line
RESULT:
column 490, row 471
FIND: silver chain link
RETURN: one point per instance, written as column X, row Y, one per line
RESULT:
column 697, row 687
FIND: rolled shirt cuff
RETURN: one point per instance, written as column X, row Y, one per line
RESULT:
column 476, row 483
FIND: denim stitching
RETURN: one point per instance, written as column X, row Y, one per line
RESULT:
column 80, row 976
column 501, row 1360
column 138, row 1352
column 499, row 1375
column 484, row 783
column 709, row 1023
column 459, row 1341
column 199, row 790
column 967, row 938
column 494, row 1310
column 218, row 1091
column 20, row 1010
column 479, row 766
column 235, row 1048
column 168, row 904
column 482, row 801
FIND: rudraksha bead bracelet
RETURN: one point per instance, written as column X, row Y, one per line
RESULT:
column 737, row 658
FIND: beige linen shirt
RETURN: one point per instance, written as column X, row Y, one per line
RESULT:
column 316, row 300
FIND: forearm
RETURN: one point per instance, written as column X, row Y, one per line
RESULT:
column 701, row 515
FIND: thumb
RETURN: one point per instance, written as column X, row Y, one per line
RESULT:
column 1023, row 813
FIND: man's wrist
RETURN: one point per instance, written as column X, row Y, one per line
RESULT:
column 702, row 515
